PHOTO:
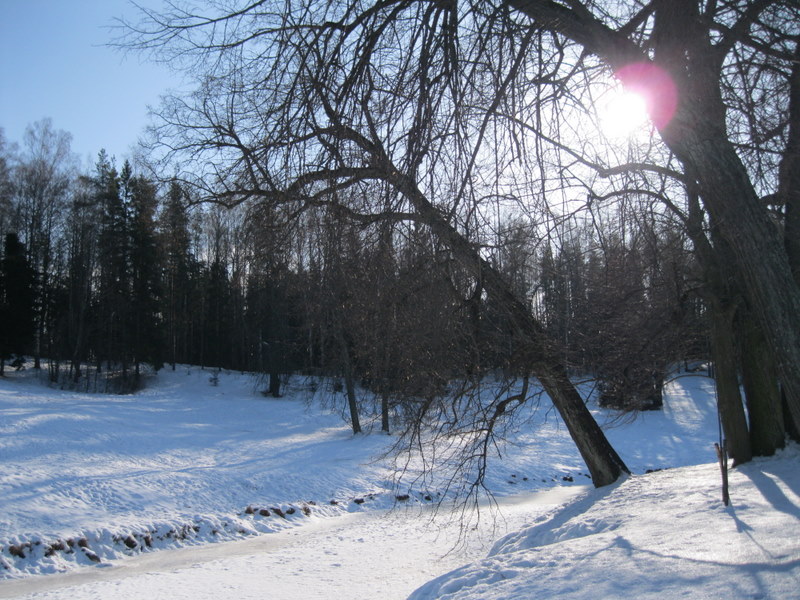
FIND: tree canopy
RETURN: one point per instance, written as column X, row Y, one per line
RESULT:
column 454, row 115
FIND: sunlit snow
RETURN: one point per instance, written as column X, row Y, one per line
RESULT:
column 190, row 490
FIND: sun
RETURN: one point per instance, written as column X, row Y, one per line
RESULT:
column 622, row 114
column 643, row 98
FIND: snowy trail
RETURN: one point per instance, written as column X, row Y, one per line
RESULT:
column 366, row 555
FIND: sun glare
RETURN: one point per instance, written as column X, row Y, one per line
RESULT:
column 623, row 114
column 647, row 98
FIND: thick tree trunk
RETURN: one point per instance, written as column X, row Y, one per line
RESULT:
column 697, row 135
column 760, row 262
column 536, row 350
column 789, row 186
column 729, row 400
column 717, row 293
column 767, row 431
column 789, row 189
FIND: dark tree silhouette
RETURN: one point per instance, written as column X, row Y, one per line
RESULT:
column 17, row 293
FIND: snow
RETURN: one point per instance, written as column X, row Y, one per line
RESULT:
column 159, row 494
column 663, row 535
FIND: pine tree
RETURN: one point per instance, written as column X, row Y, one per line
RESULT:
column 17, row 285
column 217, row 316
column 145, row 322
column 174, row 243
column 114, row 294
column 83, row 230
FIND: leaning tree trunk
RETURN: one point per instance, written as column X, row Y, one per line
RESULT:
column 604, row 464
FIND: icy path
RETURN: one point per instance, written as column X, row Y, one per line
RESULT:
column 358, row 556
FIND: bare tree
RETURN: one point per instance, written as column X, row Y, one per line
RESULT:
column 685, row 50
column 6, row 190
column 331, row 98
column 467, row 110
column 41, row 183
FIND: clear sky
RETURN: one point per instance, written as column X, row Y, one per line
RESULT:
column 53, row 63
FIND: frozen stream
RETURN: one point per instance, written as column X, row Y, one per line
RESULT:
column 358, row 556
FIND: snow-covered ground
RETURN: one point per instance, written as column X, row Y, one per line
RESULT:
column 121, row 496
column 663, row 535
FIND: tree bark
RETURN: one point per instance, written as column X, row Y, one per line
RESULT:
column 789, row 185
column 761, row 264
column 351, row 396
column 789, row 191
column 767, row 430
column 723, row 298
column 729, row 400
column 274, row 384
column 605, row 465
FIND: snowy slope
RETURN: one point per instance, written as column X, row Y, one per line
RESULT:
column 660, row 535
column 663, row 535
column 178, row 463
column 92, row 480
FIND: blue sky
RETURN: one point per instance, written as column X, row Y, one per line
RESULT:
column 53, row 63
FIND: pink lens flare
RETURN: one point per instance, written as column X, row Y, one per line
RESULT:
column 657, row 88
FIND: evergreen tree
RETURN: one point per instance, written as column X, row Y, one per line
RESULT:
column 175, row 245
column 114, row 294
column 17, row 291
column 216, row 349
column 82, row 230
column 145, row 275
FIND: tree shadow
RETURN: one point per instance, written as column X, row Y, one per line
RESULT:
column 772, row 492
column 684, row 568
column 674, row 573
column 549, row 527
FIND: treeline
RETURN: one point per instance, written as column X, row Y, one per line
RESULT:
column 106, row 271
